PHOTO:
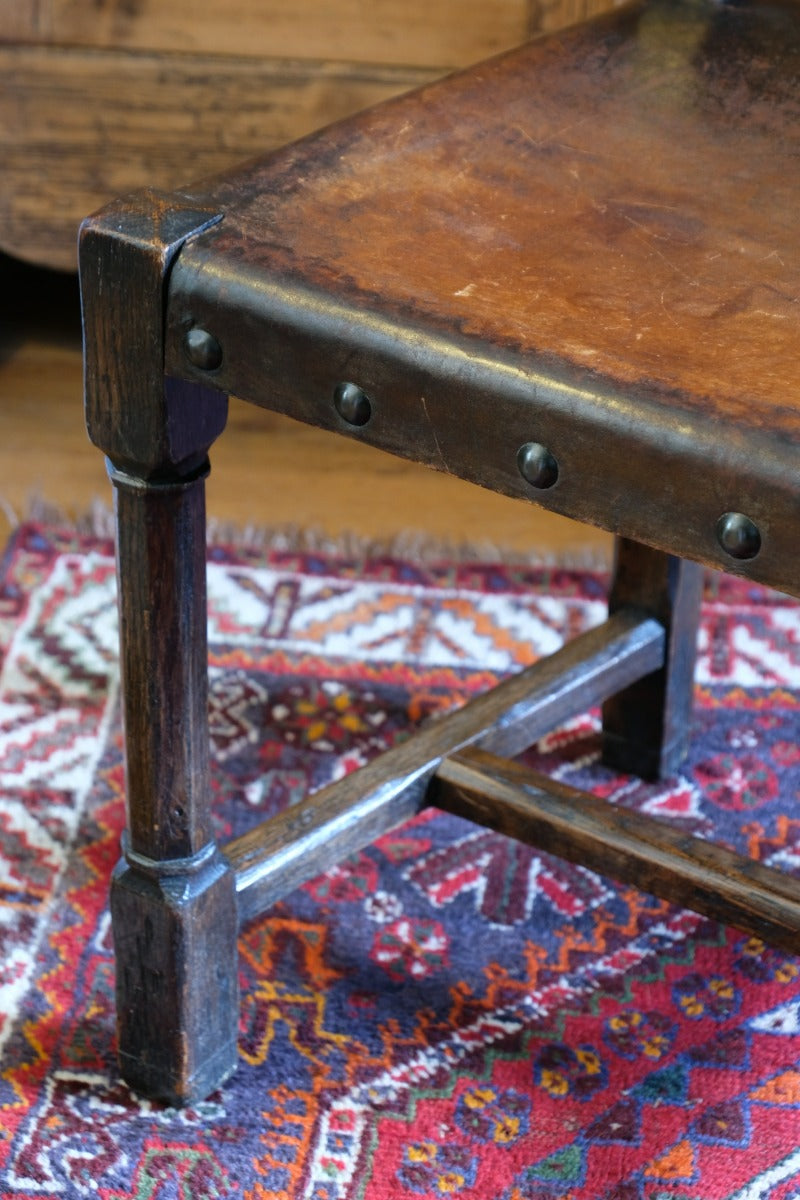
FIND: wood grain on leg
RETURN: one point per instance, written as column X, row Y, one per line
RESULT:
column 646, row 726
column 173, row 896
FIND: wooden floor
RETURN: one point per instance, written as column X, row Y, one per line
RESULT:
column 267, row 471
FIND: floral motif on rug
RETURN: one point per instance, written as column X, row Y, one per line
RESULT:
column 447, row 1013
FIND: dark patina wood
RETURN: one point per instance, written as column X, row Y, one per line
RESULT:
column 646, row 727
column 570, row 274
column 629, row 846
column 173, row 897
column 281, row 854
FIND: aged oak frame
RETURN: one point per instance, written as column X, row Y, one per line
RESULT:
column 177, row 898
column 167, row 336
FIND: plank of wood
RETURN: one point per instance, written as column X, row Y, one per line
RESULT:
column 280, row 854
column 21, row 20
column 448, row 33
column 78, row 127
column 549, row 15
column 632, row 847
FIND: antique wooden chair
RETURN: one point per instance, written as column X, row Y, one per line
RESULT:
column 570, row 274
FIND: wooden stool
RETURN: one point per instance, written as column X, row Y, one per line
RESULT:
column 571, row 275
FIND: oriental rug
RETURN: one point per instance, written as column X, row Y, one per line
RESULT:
column 448, row 1013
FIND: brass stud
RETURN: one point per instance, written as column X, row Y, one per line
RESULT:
column 202, row 349
column 352, row 403
column 738, row 536
column 537, row 466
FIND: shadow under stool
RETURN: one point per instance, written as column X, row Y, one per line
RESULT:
column 570, row 274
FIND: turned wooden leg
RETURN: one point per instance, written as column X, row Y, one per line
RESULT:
column 646, row 726
column 173, row 898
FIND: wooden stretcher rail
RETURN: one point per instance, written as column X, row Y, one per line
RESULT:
column 628, row 846
column 282, row 853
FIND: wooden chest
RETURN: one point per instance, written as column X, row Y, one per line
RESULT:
column 99, row 97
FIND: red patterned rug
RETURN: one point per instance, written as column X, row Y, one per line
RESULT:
column 449, row 1013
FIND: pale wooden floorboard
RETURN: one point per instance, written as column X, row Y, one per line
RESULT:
column 267, row 471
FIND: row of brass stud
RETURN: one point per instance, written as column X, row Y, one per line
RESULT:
column 738, row 536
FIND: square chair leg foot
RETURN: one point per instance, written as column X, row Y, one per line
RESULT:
column 175, row 928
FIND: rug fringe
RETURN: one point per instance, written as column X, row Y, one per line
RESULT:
column 410, row 544
column 97, row 520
